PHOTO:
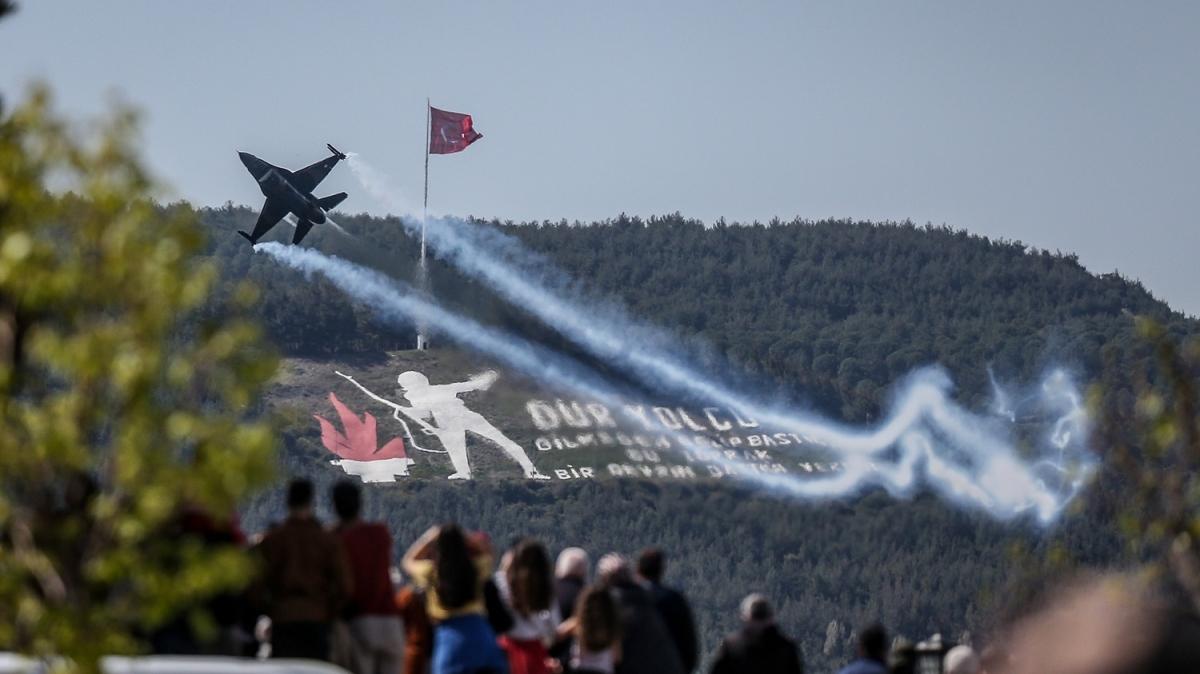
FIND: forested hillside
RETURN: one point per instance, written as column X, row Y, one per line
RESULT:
column 830, row 313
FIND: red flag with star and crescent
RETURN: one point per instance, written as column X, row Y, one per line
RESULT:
column 450, row 132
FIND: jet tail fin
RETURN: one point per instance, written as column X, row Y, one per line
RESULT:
column 247, row 237
column 335, row 151
column 330, row 202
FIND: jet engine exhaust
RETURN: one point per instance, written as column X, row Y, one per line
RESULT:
column 291, row 221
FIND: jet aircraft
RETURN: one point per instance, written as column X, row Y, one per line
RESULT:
column 289, row 192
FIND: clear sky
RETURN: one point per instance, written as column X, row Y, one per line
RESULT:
column 1070, row 126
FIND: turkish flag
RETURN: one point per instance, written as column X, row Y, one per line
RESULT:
column 450, row 132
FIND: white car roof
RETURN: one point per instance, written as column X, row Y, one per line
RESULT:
column 178, row 664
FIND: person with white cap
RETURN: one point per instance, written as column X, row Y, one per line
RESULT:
column 646, row 646
column 960, row 660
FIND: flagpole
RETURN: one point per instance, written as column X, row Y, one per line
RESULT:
column 425, row 208
column 423, row 271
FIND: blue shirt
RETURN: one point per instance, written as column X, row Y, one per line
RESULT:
column 864, row 666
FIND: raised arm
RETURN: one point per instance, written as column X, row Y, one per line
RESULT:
column 477, row 383
column 421, row 549
column 399, row 409
column 366, row 390
column 566, row 629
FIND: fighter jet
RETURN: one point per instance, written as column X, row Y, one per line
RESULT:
column 289, row 192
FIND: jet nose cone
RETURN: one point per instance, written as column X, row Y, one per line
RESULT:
column 246, row 158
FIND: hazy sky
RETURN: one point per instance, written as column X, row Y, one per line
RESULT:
column 1067, row 126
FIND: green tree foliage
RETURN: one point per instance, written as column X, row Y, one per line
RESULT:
column 1161, row 458
column 117, row 408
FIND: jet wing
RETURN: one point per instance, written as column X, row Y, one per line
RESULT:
column 302, row 228
column 272, row 212
column 307, row 178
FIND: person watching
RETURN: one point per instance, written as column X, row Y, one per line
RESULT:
column 758, row 647
column 377, row 633
column 671, row 605
column 872, row 652
column 452, row 570
column 305, row 579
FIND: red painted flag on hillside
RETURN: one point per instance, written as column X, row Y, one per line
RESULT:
column 359, row 442
column 450, row 132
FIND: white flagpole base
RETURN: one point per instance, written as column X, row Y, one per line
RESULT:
column 384, row 470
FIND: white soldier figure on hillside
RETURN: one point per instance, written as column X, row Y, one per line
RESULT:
column 451, row 418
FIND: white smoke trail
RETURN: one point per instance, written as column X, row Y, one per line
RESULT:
column 963, row 463
column 376, row 184
column 530, row 281
column 395, row 302
column 338, row 227
column 392, row 302
column 1001, row 406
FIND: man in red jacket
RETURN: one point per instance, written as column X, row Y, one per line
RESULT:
column 377, row 633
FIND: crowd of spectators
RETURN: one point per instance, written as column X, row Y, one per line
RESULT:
column 453, row 606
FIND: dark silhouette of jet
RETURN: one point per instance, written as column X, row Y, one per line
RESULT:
column 289, row 192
